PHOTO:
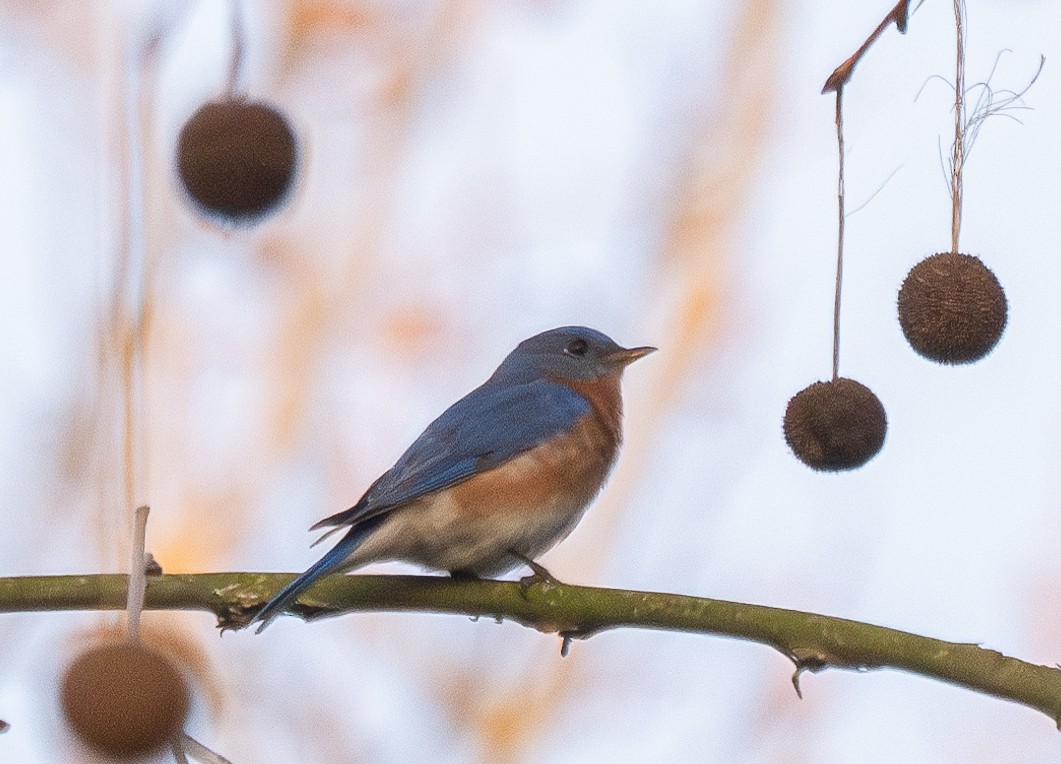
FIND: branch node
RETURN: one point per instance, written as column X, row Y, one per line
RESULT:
column 239, row 604
column 152, row 567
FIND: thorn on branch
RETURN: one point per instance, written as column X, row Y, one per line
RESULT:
column 567, row 638
column 806, row 660
column 570, row 635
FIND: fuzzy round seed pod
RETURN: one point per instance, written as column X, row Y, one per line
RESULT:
column 236, row 159
column 123, row 699
column 952, row 308
column 834, row 426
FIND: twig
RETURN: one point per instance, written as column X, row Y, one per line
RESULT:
column 899, row 14
column 235, row 64
column 839, row 231
column 991, row 102
column 185, row 745
column 813, row 642
column 967, row 124
column 957, row 161
column 134, row 603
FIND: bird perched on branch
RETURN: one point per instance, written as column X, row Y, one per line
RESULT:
column 500, row 477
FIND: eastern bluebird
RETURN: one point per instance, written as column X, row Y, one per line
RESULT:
column 500, row 477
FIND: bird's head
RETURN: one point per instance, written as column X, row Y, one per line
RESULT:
column 572, row 353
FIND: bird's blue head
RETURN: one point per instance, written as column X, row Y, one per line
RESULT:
column 569, row 352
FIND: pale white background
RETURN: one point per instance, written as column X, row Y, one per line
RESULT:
column 472, row 173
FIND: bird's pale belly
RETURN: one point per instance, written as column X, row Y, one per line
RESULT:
column 526, row 505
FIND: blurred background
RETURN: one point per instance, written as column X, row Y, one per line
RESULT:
column 471, row 173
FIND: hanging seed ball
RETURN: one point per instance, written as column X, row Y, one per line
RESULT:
column 236, row 159
column 834, row 426
column 952, row 308
column 123, row 699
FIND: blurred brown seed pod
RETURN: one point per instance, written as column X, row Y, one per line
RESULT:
column 834, row 426
column 123, row 699
column 952, row 308
column 236, row 159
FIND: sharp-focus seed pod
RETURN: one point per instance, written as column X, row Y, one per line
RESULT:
column 952, row 308
column 834, row 426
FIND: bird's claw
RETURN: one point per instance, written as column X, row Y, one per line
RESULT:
column 539, row 574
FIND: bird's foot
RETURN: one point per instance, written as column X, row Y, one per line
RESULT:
column 539, row 573
column 463, row 575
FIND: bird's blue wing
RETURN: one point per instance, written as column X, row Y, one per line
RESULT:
column 482, row 430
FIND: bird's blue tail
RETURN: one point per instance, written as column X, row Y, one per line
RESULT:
column 329, row 563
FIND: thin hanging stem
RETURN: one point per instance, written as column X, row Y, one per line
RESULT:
column 235, row 65
column 840, row 231
column 130, row 310
column 184, row 746
column 957, row 161
column 134, row 604
column 898, row 15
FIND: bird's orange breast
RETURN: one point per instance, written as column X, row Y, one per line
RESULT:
column 561, row 475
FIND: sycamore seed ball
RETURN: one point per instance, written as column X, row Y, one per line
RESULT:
column 952, row 308
column 236, row 159
column 834, row 426
column 123, row 699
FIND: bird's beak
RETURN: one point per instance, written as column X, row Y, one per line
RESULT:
column 626, row 356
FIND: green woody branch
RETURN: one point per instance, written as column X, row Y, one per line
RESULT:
column 812, row 642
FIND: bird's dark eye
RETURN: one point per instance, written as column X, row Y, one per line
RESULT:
column 576, row 347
